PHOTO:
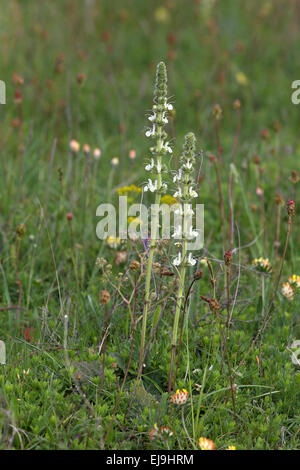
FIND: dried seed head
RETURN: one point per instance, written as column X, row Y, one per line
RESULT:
column 228, row 258
column 17, row 79
column 212, row 158
column 171, row 39
column 16, row 123
column 166, row 272
column 20, row 231
column 121, row 257
column 134, row 266
column 256, row 159
column 81, row 77
column 290, row 205
column 18, row 96
column 198, row 275
column 236, row 105
column 217, row 112
column 294, row 176
column 213, row 303
column 86, row 149
column 105, row 36
column 104, row 297
column 101, row 262
column 279, row 201
column 276, row 126
column 156, row 267
column 265, row 134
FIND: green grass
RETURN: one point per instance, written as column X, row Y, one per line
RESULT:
column 51, row 390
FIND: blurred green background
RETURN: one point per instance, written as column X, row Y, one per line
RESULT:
column 216, row 51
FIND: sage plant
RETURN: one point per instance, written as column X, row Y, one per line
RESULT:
column 155, row 184
column 185, row 193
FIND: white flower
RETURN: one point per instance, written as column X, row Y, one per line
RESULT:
column 158, row 167
column 191, row 260
column 150, row 132
column 178, row 176
column 152, row 117
column 178, row 193
column 188, row 209
column 164, row 119
column 150, row 165
column 192, row 233
column 177, row 232
column 151, row 186
column 168, row 105
column 167, row 147
column 177, row 261
column 179, row 211
column 188, row 165
column 115, row 161
column 192, row 192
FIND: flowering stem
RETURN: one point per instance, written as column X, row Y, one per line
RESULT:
column 180, row 292
column 148, row 277
column 181, row 327
column 186, row 193
column 158, row 119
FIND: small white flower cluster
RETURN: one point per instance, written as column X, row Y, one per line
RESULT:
column 153, row 186
column 186, row 193
column 158, row 120
column 191, row 261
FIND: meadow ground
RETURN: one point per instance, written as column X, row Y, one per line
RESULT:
column 75, row 328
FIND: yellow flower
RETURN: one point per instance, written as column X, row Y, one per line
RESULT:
column 241, row 78
column 206, row 444
column 170, row 200
column 231, row 448
column 161, row 14
column 136, row 220
column 263, row 264
column 180, row 397
column 294, row 280
column 164, row 431
column 124, row 190
column 113, row 242
column 153, row 432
